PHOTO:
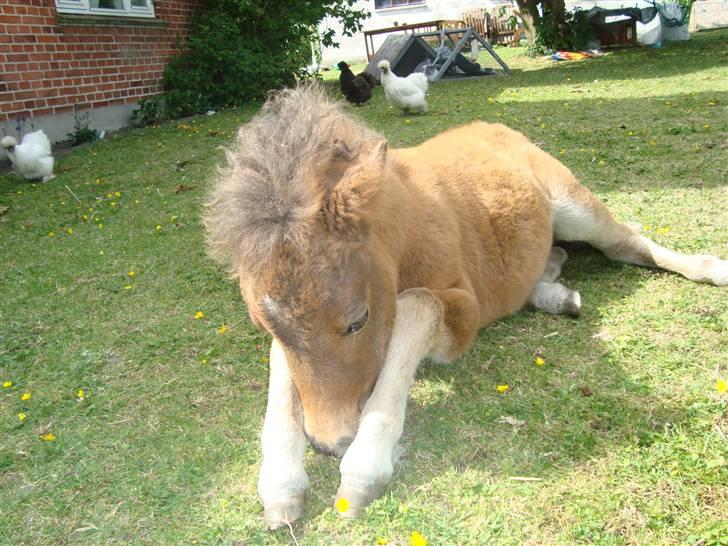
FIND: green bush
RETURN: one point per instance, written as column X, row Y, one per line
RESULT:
column 237, row 50
column 149, row 112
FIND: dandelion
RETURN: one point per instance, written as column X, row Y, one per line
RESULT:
column 203, row 361
column 265, row 360
column 109, row 195
column 342, row 505
column 502, row 388
column 382, row 540
column 48, row 437
column 7, row 384
column 223, row 329
column 127, row 287
column 662, row 230
column 101, row 226
column 706, row 126
column 721, row 386
column 80, row 394
column 25, row 396
column 117, row 193
column 69, row 231
column 158, row 227
column 85, row 217
column 51, row 234
column 416, row 539
column 601, row 162
column 539, row 361
column 199, row 315
column 131, row 273
column 98, row 181
column 21, row 416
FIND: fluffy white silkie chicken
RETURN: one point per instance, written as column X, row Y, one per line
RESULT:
column 407, row 94
column 31, row 158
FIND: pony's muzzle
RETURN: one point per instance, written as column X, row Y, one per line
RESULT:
column 336, row 449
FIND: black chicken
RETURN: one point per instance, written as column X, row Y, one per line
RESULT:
column 357, row 89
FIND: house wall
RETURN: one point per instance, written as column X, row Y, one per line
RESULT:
column 51, row 63
column 352, row 49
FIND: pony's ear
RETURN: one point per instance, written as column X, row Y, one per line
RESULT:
column 348, row 205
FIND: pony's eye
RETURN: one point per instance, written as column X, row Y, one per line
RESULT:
column 357, row 324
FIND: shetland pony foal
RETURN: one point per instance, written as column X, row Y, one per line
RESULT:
column 361, row 261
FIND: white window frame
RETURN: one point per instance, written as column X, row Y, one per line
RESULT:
column 82, row 7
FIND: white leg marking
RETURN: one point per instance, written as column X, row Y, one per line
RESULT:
column 367, row 464
column 282, row 482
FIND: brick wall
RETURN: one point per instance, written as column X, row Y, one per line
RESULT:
column 48, row 65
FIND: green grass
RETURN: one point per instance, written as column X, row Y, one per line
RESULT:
column 623, row 426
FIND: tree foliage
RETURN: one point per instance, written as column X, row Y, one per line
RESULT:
column 237, row 50
column 550, row 27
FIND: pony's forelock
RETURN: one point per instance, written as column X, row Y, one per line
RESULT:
column 263, row 195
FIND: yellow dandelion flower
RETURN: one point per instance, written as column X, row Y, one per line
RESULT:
column 158, row 227
column 51, row 234
column 7, row 384
column 21, row 417
column 203, row 361
column 416, row 539
column 721, row 386
column 109, row 195
column 502, row 388
column 265, row 359
column 117, row 193
column 539, row 361
column 69, row 231
column 706, row 126
column 48, row 437
column 342, row 505
column 127, row 287
column 601, row 162
column 382, row 540
column 84, row 217
column 113, row 203
column 101, row 226
column 25, row 396
column 98, row 181
column 224, row 328
column 131, row 273
column 136, row 201
column 80, row 394
column 199, row 315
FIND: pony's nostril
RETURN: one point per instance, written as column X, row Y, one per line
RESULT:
column 343, row 443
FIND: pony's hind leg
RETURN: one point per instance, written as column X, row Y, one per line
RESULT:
column 551, row 296
column 579, row 216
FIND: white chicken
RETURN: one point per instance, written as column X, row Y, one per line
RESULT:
column 31, row 158
column 407, row 94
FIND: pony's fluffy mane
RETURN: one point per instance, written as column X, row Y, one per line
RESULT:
column 265, row 194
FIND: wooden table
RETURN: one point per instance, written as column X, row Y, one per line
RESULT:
column 427, row 25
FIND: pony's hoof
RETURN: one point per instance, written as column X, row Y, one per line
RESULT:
column 351, row 501
column 572, row 304
column 280, row 514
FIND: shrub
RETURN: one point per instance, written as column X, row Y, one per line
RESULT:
column 150, row 111
column 237, row 50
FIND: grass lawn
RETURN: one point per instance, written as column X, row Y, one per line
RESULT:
column 105, row 287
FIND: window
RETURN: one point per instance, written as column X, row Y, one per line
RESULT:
column 128, row 8
column 382, row 4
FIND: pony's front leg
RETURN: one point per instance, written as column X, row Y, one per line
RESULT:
column 420, row 330
column 282, row 482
